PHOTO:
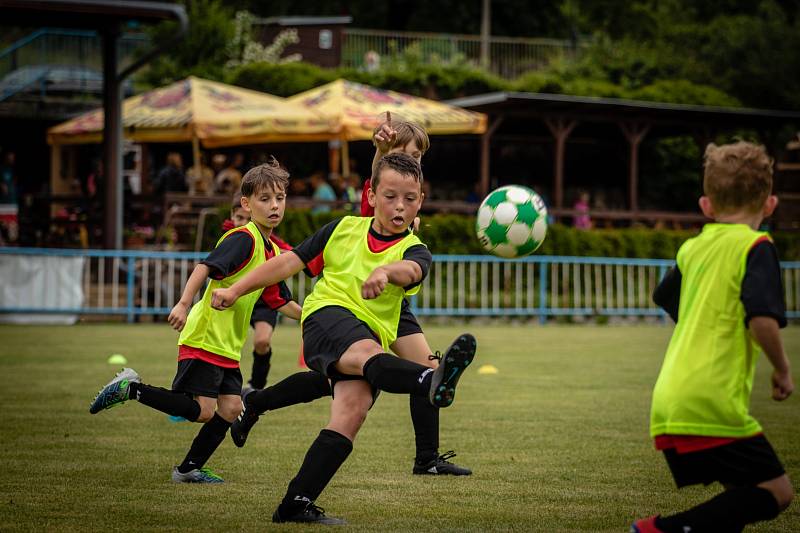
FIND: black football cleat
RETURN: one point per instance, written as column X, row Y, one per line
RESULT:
column 453, row 363
column 440, row 466
column 310, row 514
column 241, row 427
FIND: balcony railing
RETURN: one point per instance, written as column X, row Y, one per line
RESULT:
column 59, row 60
column 508, row 56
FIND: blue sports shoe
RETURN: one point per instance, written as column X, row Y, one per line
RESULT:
column 116, row 392
column 198, row 475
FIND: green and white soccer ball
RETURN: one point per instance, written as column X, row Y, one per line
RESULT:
column 512, row 221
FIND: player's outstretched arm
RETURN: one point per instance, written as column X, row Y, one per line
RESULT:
column 291, row 309
column 401, row 273
column 273, row 271
column 767, row 333
column 384, row 139
column 177, row 317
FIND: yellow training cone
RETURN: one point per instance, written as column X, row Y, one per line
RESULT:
column 117, row 359
column 488, row 369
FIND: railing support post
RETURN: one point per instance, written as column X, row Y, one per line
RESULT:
column 543, row 292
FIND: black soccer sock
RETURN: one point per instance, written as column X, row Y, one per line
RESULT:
column 726, row 512
column 167, row 401
column 301, row 387
column 261, row 366
column 392, row 374
column 425, row 418
column 205, row 443
column 323, row 459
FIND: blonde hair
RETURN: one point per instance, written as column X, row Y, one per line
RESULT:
column 737, row 176
column 409, row 131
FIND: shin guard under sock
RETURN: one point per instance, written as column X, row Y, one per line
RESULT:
column 392, row 374
column 205, row 443
column 301, row 387
column 167, row 401
column 322, row 461
column 726, row 512
column 261, row 366
column 425, row 418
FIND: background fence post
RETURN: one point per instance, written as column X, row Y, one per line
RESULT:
column 131, row 287
column 543, row 292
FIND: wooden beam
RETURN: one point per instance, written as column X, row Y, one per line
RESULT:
column 634, row 132
column 486, row 143
column 560, row 128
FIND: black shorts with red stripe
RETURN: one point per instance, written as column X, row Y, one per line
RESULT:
column 744, row 462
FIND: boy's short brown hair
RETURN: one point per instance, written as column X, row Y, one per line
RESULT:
column 270, row 175
column 408, row 131
column 737, row 176
column 400, row 162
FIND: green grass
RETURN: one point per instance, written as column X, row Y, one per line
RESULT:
column 557, row 439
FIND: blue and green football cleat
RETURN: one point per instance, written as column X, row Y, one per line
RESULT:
column 198, row 475
column 452, row 364
column 116, row 392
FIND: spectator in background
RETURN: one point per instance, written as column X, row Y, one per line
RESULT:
column 298, row 187
column 239, row 163
column 171, row 178
column 229, row 178
column 582, row 219
column 372, row 61
column 474, row 196
column 200, row 178
column 8, row 199
column 322, row 192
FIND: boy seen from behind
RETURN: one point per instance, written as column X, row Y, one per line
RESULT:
column 726, row 298
column 208, row 384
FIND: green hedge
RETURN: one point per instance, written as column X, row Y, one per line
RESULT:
column 455, row 234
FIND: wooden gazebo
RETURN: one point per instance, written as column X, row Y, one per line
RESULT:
column 515, row 111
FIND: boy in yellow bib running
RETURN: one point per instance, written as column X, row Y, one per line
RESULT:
column 350, row 320
column 726, row 298
column 208, row 383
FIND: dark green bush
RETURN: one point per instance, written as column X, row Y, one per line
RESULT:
column 455, row 234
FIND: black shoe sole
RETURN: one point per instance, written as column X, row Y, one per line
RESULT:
column 455, row 360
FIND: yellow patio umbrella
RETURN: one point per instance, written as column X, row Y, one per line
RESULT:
column 360, row 108
column 212, row 113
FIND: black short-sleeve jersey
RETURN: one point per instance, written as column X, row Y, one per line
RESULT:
column 761, row 291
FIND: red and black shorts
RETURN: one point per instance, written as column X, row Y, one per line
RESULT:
column 744, row 462
column 262, row 313
column 408, row 324
column 200, row 378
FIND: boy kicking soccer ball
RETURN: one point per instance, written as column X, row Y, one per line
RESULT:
column 726, row 298
column 208, row 384
column 350, row 320
column 410, row 344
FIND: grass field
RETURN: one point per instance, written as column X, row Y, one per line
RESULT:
column 557, row 439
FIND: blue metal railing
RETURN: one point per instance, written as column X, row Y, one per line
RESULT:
column 134, row 282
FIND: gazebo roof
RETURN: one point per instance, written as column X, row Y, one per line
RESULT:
column 596, row 109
